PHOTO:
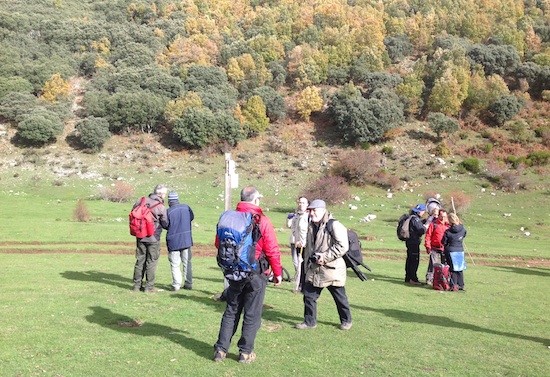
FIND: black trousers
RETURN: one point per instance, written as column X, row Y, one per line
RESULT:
column 413, row 260
column 311, row 294
column 247, row 299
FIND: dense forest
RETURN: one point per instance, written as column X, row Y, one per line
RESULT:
column 214, row 72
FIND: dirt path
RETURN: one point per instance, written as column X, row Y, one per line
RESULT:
column 123, row 248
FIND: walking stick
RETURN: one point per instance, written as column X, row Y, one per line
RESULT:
column 454, row 211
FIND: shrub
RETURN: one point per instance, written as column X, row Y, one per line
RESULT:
column 39, row 127
column 442, row 150
column 505, row 108
column 471, row 164
column 308, row 101
column 442, row 124
column 520, row 131
column 357, row 167
column 538, row 158
column 93, row 132
column 274, row 102
column 460, row 200
column 81, row 213
column 501, row 177
column 254, row 113
column 329, row 188
column 363, row 120
column 119, row 192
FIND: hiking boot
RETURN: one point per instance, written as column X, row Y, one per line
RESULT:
column 247, row 358
column 219, row 356
column 345, row 326
column 151, row 290
column 175, row 288
column 136, row 288
column 414, row 282
column 304, row 326
column 188, row 287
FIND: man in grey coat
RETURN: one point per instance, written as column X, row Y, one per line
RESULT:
column 324, row 266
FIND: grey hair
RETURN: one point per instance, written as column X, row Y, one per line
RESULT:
column 249, row 194
column 160, row 189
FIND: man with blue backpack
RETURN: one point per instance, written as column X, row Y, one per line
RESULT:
column 247, row 246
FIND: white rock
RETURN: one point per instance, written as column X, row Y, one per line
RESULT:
column 389, row 195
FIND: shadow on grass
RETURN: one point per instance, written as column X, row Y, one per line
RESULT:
column 437, row 320
column 119, row 322
column 526, row 271
column 99, row 277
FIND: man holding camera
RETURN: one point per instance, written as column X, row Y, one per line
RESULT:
column 324, row 266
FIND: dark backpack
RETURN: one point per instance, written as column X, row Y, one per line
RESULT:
column 142, row 220
column 238, row 233
column 354, row 256
column 403, row 227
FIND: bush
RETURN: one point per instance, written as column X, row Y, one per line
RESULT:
column 361, row 120
column 119, row 192
column 329, row 188
column 398, row 47
column 93, row 132
column 274, row 102
column 442, row 124
column 461, row 201
column 81, row 213
column 505, row 108
column 538, row 158
column 442, row 150
column 357, row 167
column 39, row 127
column 471, row 164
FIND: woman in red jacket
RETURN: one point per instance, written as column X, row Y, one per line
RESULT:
column 433, row 242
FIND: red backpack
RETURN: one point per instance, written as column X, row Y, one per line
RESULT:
column 142, row 220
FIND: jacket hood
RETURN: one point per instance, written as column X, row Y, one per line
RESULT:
column 456, row 228
column 249, row 207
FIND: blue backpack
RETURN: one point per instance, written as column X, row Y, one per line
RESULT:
column 238, row 233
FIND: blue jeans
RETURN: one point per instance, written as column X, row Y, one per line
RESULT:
column 246, row 298
column 312, row 293
column 147, row 256
column 183, row 258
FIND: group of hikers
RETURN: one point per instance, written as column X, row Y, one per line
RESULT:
column 443, row 241
column 248, row 252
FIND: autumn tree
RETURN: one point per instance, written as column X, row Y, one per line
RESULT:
column 308, row 101
column 254, row 113
column 55, row 88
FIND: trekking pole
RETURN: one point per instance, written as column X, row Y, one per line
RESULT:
column 454, row 211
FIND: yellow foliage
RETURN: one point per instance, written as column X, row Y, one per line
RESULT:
column 103, row 46
column 308, row 101
column 175, row 109
column 255, row 116
column 198, row 49
column 55, row 88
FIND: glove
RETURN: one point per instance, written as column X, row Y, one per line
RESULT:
column 428, row 251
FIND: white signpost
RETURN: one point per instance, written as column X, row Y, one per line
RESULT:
column 231, row 179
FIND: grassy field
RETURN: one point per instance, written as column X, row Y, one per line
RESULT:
column 40, row 205
column 73, row 315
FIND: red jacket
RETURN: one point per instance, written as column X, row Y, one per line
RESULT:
column 267, row 244
column 434, row 235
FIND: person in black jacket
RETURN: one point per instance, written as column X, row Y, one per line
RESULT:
column 179, row 240
column 453, row 241
column 416, row 230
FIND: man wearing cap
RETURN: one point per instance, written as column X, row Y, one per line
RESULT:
column 148, row 248
column 324, row 266
column 416, row 230
column 179, row 240
column 247, row 298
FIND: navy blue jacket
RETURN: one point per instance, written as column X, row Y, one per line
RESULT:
column 454, row 237
column 416, row 229
column 178, row 236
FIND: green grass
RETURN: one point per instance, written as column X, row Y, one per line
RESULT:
column 63, row 314
column 40, row 210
